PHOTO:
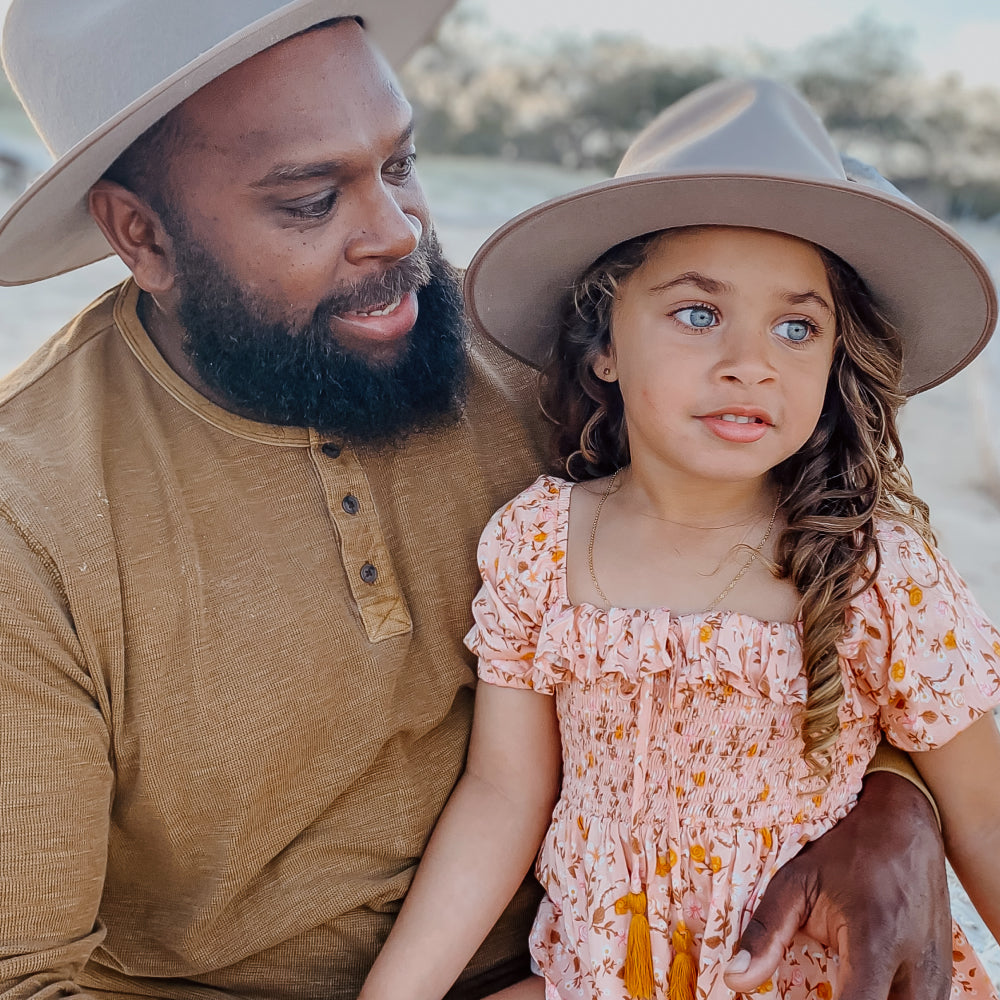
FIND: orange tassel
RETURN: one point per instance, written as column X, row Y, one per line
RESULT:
column 683, row 970
column 639, row 950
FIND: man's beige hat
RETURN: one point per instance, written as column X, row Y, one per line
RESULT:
column 93, row 75
column 742, row 153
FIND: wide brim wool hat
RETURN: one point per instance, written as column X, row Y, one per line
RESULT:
column 93, row 76
column 747, row 153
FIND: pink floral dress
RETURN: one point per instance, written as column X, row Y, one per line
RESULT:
column 683, row 776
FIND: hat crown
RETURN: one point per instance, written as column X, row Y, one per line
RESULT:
column 742, row 126
column 76, row 63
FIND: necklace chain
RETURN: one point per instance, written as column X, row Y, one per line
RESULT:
column 740, row 573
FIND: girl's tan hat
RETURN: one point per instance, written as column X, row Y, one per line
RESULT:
column 742, row 153
column 93, row 75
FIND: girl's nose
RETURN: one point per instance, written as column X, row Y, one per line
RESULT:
column 747, row 358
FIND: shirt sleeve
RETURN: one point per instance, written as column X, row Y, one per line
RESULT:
column 520, row 562
column 56, row 780
column 929, row 657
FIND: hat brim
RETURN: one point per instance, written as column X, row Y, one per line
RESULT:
column 49, row 230
column 928, row 281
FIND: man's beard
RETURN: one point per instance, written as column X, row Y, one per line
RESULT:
column 299, row 375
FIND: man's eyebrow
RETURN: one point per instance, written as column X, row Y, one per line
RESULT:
column 291, row 173
column 711, row 286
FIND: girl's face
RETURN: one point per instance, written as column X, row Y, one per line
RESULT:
column 722, row 344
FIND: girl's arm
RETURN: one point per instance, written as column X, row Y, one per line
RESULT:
column 962, row 778
column 483, row 845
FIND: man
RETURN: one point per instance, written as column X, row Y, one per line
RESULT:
column 240, row 499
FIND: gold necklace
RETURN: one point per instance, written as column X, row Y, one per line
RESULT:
column 741, row 572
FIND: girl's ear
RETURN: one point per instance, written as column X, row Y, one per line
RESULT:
column 604, row 366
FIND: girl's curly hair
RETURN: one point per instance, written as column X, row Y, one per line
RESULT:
column 835, row 488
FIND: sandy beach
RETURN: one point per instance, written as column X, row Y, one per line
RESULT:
column 948, row 431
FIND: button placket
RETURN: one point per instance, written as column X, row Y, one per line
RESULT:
column 363, row 548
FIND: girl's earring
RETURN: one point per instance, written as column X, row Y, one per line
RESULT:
column 606, row 374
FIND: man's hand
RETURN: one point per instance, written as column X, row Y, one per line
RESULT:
column 873, row 889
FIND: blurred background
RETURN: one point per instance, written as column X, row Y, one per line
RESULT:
column 521, row 100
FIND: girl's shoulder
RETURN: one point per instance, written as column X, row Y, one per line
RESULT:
column 906, row 556
column 918, row 645
column 532, row 521
column 916, row 580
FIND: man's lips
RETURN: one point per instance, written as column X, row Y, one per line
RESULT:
column 739, row 424
column 383, row 322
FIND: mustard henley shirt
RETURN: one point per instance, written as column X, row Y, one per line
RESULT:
column 233, row 691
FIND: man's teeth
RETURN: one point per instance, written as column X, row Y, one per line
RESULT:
column 736, row 418
column 384, row 311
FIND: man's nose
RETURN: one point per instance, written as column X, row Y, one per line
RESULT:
column 384, row 228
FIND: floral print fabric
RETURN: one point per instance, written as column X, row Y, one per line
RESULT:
column 683, row 775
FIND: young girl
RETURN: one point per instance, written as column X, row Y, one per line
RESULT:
column 710, row 624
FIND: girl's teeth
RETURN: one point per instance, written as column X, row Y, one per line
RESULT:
column 735, row 418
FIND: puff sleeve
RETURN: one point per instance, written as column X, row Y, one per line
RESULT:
column 521, row 561
column 924, row 651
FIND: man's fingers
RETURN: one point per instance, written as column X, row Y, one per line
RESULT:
column 930, row 978
column 781, row 911
column 865, row 975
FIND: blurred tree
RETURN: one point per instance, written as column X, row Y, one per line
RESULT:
column 860, row 81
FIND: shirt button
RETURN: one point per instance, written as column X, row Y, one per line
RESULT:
column 331, row 450
column 351, row 504
column 369, row 573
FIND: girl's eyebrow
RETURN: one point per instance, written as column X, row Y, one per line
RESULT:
column 802, row 298
column 711, row 286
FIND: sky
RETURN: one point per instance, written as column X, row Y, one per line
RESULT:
column 949, row 36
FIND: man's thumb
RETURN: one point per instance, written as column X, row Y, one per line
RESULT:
column 779, row 914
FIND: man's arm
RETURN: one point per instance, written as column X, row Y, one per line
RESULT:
column 873, row 888
column 55, row 783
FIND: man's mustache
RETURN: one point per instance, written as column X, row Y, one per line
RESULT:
column 377, row 290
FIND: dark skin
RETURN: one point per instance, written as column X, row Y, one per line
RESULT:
column 297, row 174
column 894, row 942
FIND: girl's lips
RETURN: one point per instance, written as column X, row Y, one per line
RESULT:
column 745, row 430
column 379, row 325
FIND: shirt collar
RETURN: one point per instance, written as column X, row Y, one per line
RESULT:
column 128, row 322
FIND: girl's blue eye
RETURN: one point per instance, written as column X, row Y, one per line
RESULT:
column 699, row 317
column 795, row 330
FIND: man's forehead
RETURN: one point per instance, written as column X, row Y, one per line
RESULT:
column 326, row 83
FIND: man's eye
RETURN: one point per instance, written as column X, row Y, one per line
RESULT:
column 699, row 317
column 318, row 208
column 402, row 169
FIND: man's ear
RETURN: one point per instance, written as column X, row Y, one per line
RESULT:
column 135, row 233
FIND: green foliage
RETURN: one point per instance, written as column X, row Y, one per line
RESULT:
column 581, row 104
column 577, row 106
